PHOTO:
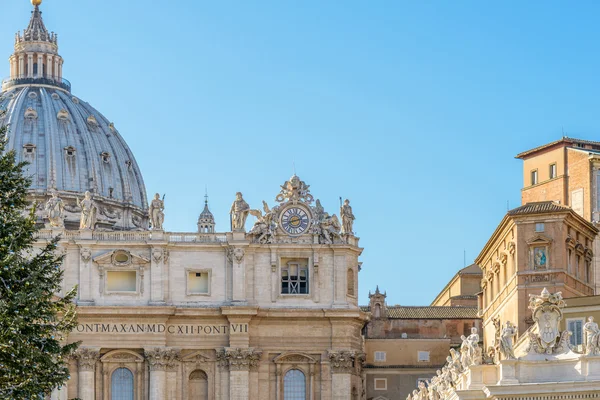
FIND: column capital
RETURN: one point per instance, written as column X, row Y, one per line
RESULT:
column 87, row 357
column 343, row 361
column 237, row 359
column 161, row 358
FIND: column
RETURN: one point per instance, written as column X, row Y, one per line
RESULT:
column 223, row 382
column 56, row 67
column 60, row 65
column 240, row 362
column 341, row 370
column 21, row 65
column 30, row 65
column 160, row 359
column 50, row 63
column 40, row 63
column 13, row 67
column 87, row 358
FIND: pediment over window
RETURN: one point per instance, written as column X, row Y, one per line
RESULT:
column 294, row 358
column 121, row 258
column 197, row 357
column 122, row 356
column 539, row 239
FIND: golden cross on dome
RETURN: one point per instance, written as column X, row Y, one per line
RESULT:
column 36, row 2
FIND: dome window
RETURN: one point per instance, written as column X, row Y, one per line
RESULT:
column 91, row 120
column 111, row 126
column 32, row 95
column 70, row 152
column 105, row 157
column 63, row 115
column 29, row 149
column 75, row 100
column 55, row 96
column 129, row 164
column 31, row 114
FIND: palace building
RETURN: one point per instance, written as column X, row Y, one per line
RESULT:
column 271, row 313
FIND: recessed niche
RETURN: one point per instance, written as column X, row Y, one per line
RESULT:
column 121, row 281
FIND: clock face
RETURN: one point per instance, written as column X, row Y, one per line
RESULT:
column 295, row 221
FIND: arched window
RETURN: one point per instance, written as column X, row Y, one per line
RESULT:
column 198, row 388
column 122, row 384
column 350, row 280
column 294, row 385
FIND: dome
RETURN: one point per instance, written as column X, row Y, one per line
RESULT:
column 71, row 148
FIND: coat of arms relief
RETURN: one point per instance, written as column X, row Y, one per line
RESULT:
column 546, row 338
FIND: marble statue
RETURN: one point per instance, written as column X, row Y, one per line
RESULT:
column 88, row 212
column 592, row 337
column 239, row 212
column 265, row 225
column 506, row 341
column 329, row 229
column 347, row 217
column 318, row 211
column 470, row 351
column 156, row 212
column 55, row 210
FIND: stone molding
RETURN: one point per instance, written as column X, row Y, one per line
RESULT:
column 237, row 359
column 87, row 358
column 161, row 359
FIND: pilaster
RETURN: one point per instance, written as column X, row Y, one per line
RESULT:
column 239, row 362
column 160, row 360
column 87, row 358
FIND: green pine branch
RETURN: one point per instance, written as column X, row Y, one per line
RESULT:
column 34, row 321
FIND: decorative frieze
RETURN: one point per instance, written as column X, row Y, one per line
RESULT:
column 87, row 358
column 161, row 359
column 237, row 359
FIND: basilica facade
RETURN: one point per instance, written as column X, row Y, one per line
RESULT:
column 271, row 313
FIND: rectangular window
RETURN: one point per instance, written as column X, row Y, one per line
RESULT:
column 380, row 356
column 121, row 281
column 534, row 177
column 380, row 383
column 294, row 278
column 575, row 326
column 577, row 266
column 198, row 282
column 552, row 171
column 539, row 227
column 423, row 356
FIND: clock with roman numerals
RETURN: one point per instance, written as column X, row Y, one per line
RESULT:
column 295, row 221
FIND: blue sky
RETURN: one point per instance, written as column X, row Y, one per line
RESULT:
column 413, row 110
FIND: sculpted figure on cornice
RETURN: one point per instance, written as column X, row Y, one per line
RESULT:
column 55, row 210
column 237, row 359
column 160, row 359
column 265, row 226
column 87, row 358
column 547, row 313
column 329, row 228
column 592, row 337
column 89, row 211
column 347, row 217
column 239, row 212
column 156, row 212
column 294, row 190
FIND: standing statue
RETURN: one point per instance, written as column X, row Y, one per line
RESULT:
column 156, row 213
column 506, row 341
column 55, row 210
column 347, row 217
column 239, row 212
column 592, row 337
column 470, row 352
column 88, row 212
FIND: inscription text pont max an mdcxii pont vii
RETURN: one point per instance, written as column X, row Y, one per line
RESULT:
column 177, row 329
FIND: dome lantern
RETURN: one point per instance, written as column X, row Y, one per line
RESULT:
column 206, row 221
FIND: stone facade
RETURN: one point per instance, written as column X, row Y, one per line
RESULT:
column 405, row 345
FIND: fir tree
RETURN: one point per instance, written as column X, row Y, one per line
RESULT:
column 34, row 321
